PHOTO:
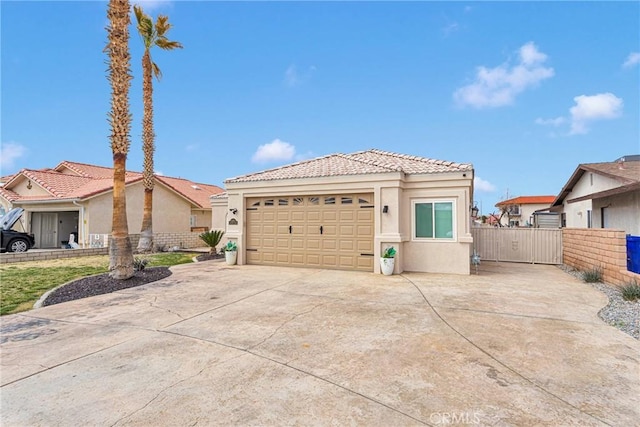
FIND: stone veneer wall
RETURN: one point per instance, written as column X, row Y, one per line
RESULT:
column 588, row 248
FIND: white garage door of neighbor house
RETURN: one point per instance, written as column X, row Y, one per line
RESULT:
column 326, row 231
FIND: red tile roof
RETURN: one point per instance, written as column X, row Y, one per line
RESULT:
column 527, row 200
column 360, row 163
column 70, row 180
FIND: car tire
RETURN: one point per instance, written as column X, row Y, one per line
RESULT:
column 18, row 245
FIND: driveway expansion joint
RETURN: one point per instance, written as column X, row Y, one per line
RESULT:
column 494, row 358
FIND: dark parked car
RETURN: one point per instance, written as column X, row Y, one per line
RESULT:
column 11, row 240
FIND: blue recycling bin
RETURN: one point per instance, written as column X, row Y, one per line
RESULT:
column 633, row 253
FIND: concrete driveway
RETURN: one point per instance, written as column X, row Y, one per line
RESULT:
column 246, row 345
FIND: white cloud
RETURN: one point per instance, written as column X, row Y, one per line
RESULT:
column 293, row 78
column 588, row 108
column 190, row 148
column 159, row 173
column 276, row 150
column 482, row 185
column 551, row 122
column 632, row 60
column 9, row 153
column 451, row 28
column 496, row 87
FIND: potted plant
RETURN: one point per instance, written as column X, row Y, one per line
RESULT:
column 388, row 261
column 231, row 253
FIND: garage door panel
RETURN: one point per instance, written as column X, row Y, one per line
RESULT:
column 287, row 231
column 313, row 260
column 268, row 243
column 365, row 263
column 297, row 259
column 347, row 245
column 297, row 216
column 364, row 246
column 313, row 244
column 347, row 231
column 345, row 215
column 364, row 215
column 329, row 215
column 329, row 245
column 329, row 230
column 314, row 216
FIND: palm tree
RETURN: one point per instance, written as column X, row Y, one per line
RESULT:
column 152, row 35
column 120, row 252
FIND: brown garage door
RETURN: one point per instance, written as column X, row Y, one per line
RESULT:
column 328, row 231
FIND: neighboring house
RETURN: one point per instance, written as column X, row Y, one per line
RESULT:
column 342, row 211
column 602, row 195
column 78, row 198
column 518, row 211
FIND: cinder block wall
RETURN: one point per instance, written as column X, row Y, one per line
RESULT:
column 588, row 248
column 7, row 258
column 185, row 240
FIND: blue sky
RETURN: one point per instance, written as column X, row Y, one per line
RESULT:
column 523, row 90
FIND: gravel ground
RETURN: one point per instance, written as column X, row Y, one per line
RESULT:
column 624, row 315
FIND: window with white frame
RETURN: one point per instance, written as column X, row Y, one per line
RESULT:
column 433, row 219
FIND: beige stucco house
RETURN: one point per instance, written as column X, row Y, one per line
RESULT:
column 602, row 195
column 342, row 211
column 519, row 211
column 78, row 198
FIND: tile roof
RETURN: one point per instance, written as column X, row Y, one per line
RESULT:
column 527, row 200
column 90, row 180
column 626, row 173
column 359, row 163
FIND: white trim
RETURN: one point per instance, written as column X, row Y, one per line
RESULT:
column 434, row 239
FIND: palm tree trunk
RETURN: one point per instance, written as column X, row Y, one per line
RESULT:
column 145, row 244
column 120, row 253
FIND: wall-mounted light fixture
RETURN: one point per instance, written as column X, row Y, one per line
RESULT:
column 233, row 211
column 385, row 209
column 474, row 211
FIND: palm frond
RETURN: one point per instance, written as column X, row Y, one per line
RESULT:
column 165, row 44
column 156, row 70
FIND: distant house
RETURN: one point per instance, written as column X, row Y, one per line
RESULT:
column 602, row 195
column 519, row 211
column 76, row 198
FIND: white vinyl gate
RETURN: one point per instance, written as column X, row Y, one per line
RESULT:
column 530, row 245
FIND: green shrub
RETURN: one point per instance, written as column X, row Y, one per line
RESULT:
column 211, row 239
column 592, row 276
column 631, row 291
column 231, row 246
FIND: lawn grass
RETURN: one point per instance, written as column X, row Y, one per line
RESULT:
column 22, row 284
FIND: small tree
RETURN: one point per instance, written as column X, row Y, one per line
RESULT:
column 211, row 239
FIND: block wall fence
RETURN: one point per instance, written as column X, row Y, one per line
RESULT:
column 188, row 240
column 589, row 248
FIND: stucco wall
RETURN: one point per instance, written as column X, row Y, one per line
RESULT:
column 576, row 213
column 589, row 248
column 622, row 211
column 171, row 214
